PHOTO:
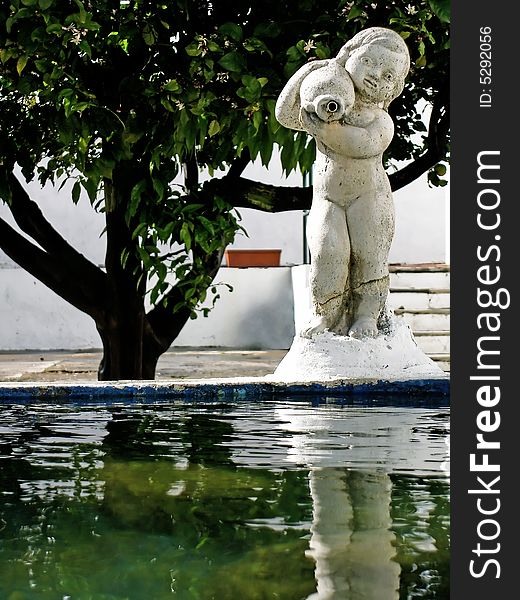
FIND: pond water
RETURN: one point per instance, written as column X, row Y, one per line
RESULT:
column 274, row 499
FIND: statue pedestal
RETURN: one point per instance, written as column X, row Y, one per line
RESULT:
column 327, row 356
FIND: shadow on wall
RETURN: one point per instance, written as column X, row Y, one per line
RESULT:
column 258, row 314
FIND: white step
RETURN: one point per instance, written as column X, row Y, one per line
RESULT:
column 419, row 300
column 433, row 320
column 442, row 360
column 420, row 280
column 421, row 296
column 433, row 342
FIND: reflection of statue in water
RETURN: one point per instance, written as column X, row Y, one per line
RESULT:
column 351, row 222
column 351, row 540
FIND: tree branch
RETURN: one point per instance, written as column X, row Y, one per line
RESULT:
column 164, row 325
column 438, row 130
column 31, row 220
column 191, row 173
column 244, row 193
column 239, row 164
column 74, row 289
column 411, row 172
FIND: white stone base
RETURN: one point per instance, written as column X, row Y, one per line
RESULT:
column 327, row 356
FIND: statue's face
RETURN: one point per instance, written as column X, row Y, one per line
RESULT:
column 375, row 71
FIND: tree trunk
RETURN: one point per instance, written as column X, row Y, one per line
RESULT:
column 126, row 353
column 132, row 339
column 123, row 326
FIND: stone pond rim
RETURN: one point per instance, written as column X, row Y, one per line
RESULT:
column 367, row 391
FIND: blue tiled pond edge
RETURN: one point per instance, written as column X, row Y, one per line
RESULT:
column 228, row 389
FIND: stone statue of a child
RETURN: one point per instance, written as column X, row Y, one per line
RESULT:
column 351, row 221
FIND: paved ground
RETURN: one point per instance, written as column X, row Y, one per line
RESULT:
column 199, row 363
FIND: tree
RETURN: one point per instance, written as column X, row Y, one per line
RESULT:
column 122, row 96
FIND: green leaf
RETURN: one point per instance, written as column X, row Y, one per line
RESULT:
column 251, row 83
column 185, row 236
column 208, row 225
column 172, row 86
column 232, row 30
column 193, row 49
column 85, row 47
column 140, row 230
column 258, row 119
column 158, row 186
column 76, row 192
column 82, row 12
column 189, row 208
column 23, row 13
column 355, row 11
column 20, row 65
column 256, row 45
column 440, row 169
column 213, row 46
column 161, row 271
column 442, row 9
column 45, row 4
column 91, row 189
column 54, row 28
column 135, row 197
column 271, row 30
column 233, row 61
column 6, row 54
column 252, row 90
column 149, row 35
column 214, row 128
column 80, row 107
column 167, row 105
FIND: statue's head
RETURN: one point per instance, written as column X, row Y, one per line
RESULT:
column 378, row 62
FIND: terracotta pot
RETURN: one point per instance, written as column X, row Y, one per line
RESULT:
column 253, row 257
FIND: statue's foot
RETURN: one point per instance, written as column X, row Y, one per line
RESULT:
column 363, row 327
column 316, row 325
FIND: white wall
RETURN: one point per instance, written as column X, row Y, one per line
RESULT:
column 258, row 314
column 34, row 318
column 420, row 224
column 31, row 316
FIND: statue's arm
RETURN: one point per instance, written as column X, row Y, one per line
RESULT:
column 349, row 140
column 287, row 108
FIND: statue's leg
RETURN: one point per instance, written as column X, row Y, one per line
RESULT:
column 371, row 227
column 329, row 245
column 368, row 300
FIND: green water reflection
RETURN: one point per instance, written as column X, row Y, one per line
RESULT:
column 154, row 502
